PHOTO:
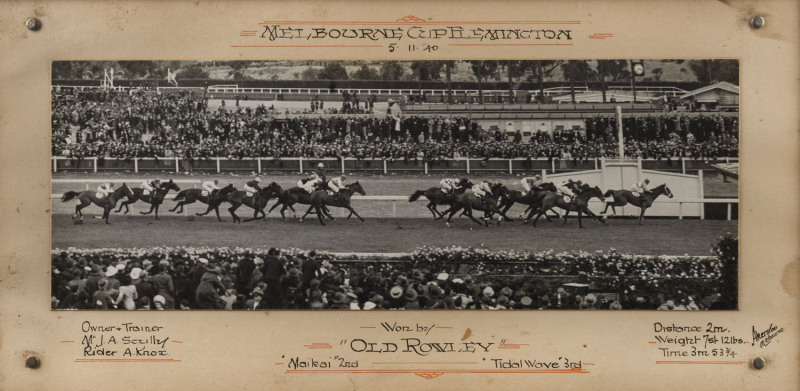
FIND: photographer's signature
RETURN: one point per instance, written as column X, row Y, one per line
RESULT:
column 763, row 338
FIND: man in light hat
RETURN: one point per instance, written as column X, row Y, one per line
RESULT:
column 320, row 172
column 211, row 187
column 532, row 183
column 207, row 296
column 395, row 113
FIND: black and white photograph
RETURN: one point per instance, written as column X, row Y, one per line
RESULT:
column 596, row 184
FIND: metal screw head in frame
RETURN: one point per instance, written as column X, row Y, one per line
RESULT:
column 758, row 363
column 33, row 24
column 758, row 22
column 32, row 362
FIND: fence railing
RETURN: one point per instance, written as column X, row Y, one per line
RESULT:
column 385, row 166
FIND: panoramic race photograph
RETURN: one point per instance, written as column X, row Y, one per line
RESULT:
column 395, row 185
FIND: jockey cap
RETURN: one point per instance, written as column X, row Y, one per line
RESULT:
column 320, row 165
column 646, row 180
column 258, row 179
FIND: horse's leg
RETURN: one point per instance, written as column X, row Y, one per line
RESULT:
column 152, row 207
column 592, row 215
column 156, row 206
column 125, row 204
column 106, row 212
column 232, row 210
column 565, row 216
column 468, row 212
column 502, row 213
column 452, row 210
column 180, row 204
column 294, row 212
column 307, row 212
column 580, row 220
column 353, row 212
column 641, row 216
column 320, row 211
column 430, row 207
column 542, row 211
column 283, row 212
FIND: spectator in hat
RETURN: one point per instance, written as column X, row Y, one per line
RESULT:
column 102, row 297
column 411, row 299
column 207, row 296
column 127, row 293
column 93, row 281
column 163, row 285
column 144, row 289
column 340, row 302
column 159, row 302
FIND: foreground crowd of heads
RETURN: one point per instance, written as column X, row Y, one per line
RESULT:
column 148, row 124
column 299, row 280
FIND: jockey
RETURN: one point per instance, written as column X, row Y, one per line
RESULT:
column 567, row 188
column 252, row 186
column 531, row 183
column 320, row 172
column 481, row 190
column 151, row 186
column 336, row 185
column 641, row 188
column 449, row 185
column 105, row 188
column 211, row 187
column 309, row 184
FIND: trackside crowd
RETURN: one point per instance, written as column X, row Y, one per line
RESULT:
column 254, row 279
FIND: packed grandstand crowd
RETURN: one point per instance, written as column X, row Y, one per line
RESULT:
column 248, row 279
column 146, row 123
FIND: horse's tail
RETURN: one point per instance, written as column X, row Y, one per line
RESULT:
column 180, row 196
column 608, row 193
column 69, row 195
column 416, row 195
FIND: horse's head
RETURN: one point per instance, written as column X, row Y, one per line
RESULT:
column 596, row 192
column 663, row 189
column 466, row 184
column 124, row 190
column 227, row 189
column 549, row 186
column 170, row 185
column 273, row 188
column 356, row 188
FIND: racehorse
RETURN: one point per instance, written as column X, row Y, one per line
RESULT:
column 533, row 200
column 257, row 201
column 291, row 196
column 437, row 197
column 623, row 197
column 580, row 204
column 190, row 196
column 154, row 199
column 320, row 198
column 88, row 197
column 468, row 201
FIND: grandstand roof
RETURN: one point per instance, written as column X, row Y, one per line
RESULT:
column 721, row 85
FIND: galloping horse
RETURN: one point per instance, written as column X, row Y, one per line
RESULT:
column 579, row 204
column 533, row 200
column 468, row 201
column 623, row 197
column 88, row 197
column 257, row 201
column 291, row 196
column 154, row 199
column 320, row 198
column 190, row 196
column 437, row 197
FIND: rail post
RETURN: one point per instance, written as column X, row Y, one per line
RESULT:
column 467, row 165
column 177, row 165
column 394, row 209
column 553, row 166
column 136, row 164
column 683, row 165
column 301, row 164
column 510, row 167
column 55, row 164
column 218, row 166
column 94, row 163
column 426, row 167
column 385, row 170
column 342, row 159
column 258, row 159
column 702, row 195
column 729, row 211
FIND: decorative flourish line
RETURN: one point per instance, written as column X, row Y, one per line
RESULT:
column 700, row 362
column 418, row 362
column 126, row 360
column 306, row 46
column 442, row 370
column 344, row 23
column 510, row 44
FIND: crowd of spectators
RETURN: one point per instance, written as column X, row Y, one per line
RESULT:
column 245, row 279
column 146, row 123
